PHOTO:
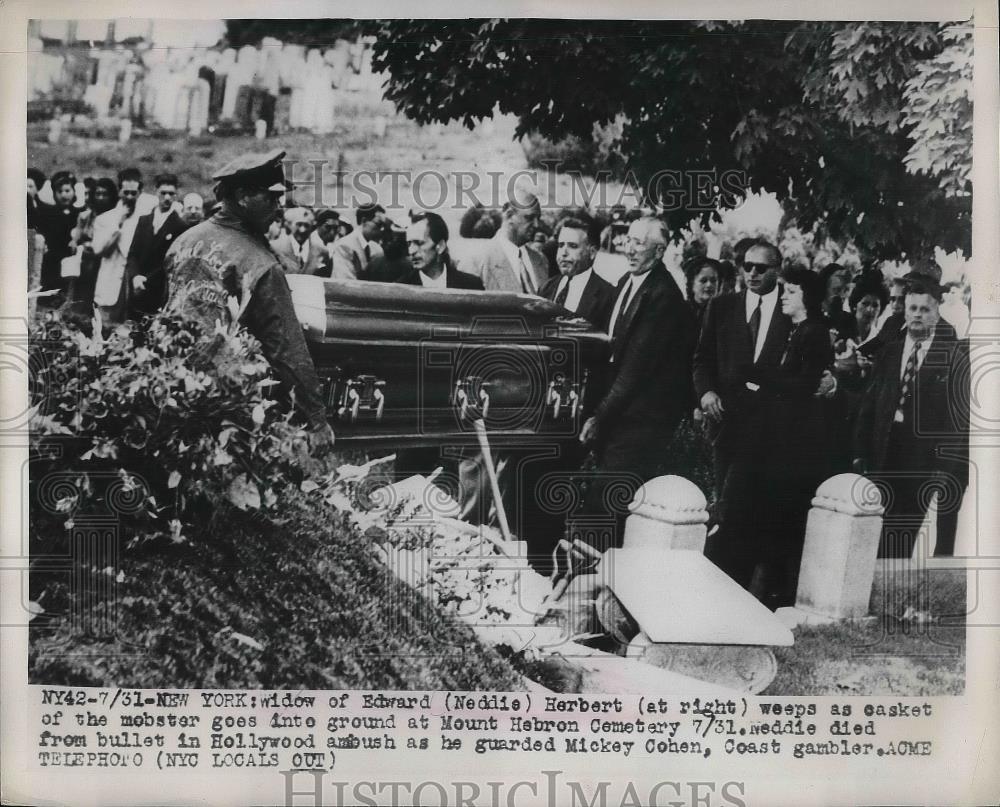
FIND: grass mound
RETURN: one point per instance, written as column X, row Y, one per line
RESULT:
column 256, row 602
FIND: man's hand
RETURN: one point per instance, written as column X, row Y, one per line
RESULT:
column 139, row 283
column 711, row 405
column 588, row 434
column 827, row 385
column 321, row 440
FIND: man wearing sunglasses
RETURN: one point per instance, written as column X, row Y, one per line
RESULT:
column 741, row 346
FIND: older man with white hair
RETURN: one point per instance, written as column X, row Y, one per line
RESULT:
column 648, row 389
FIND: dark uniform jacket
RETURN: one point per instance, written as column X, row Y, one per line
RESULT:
column 220, row 258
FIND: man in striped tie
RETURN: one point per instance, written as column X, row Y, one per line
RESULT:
column 508, row 262
column 912, row 431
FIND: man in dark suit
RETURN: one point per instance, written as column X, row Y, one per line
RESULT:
column 154, row 234
column 578, row 288
column 427, row 243
column 301, row 250
column 427, row 246
column 912, row 431
column 648, row 387
column 740, row 348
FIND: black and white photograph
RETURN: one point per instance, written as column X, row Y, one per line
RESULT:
column 565, row 355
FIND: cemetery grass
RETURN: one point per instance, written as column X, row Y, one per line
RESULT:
column 913, row 645
column 89, row 150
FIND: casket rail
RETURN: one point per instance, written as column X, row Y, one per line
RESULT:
column 407, row 366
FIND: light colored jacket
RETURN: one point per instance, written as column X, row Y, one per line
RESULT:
column 493, row 266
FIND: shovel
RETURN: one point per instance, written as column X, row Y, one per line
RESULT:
column 491, row 471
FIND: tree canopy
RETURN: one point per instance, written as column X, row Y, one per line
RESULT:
column 862, row 130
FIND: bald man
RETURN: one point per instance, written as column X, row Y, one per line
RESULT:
column 508, row 263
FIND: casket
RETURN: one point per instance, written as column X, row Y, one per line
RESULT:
column 407, row 366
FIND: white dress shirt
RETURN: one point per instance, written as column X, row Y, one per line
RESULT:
column 439, row 282
column 770, row 301
column 301, row 250
column 908, row 344
column 159, row 217
column 577, row 284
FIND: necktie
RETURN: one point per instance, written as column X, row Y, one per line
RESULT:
column 368, row 254
column 563, row 293
column 527, row 282
column 621, row 311
column 906, row 384
column 754, row 324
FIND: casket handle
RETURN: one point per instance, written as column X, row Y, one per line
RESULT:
column 555, row 399
column 462, row 396
column 564, row 396
column 366, row 390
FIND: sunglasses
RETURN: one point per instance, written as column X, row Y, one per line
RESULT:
column 759, row 268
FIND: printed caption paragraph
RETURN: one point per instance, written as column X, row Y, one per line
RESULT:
column 284, row 730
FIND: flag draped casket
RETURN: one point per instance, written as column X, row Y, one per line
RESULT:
column 403, row 365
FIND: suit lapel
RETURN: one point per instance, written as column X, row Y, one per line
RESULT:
column 893, row 353
column 589, row 297
column 741, row 328
column 775, row 338
column 634, row 304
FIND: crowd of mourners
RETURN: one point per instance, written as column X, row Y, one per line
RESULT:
column 792, row 374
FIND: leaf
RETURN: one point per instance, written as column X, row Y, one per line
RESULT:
column 34, row 609
column 258, row 414
column 308, row 486
column 243, row 638
column 221, row 457
column 243, row 493
column 174, row 480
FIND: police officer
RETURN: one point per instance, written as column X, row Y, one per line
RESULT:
column 228, row 256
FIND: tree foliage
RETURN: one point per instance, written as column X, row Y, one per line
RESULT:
column 837, row 119
column 316, row 33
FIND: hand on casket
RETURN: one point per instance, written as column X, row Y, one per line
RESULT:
column 321, row 440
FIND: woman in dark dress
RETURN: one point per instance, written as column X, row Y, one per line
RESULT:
column 56, row 225
column 794, row 446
